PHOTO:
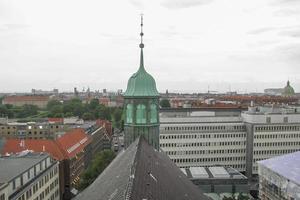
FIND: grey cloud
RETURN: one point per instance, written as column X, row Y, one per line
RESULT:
column 6, row 27
column 290, row 53
column 291, row 33
column 177, row 4
column 286, row 1
column 286, row 12
column 136, row 3
column 262, row 30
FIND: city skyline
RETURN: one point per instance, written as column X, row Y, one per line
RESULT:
column 190, row 46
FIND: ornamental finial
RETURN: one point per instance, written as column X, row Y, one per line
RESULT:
column 141, row 34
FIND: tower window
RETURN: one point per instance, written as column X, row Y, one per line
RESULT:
column 129, row 110
column 141, row 114
column 153, row 113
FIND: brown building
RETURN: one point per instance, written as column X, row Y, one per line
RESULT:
column 32, row 130
column 39, row 101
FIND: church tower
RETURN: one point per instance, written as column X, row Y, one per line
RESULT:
column 141, row 105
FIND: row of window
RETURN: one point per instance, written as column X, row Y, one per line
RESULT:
column 198, row 136
column 141, row 113
column 204, row 152
column 31, row 191
column 200, row 144
column 277, row 128
column 240, row 167
column 216, row 159
column 274, row 152
column 275, row 136
column 206, row 128
column 276, row 144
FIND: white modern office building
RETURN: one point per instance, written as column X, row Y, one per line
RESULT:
column 229, row 139
column 29, row 176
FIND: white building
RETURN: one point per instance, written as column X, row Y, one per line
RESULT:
column 29, row 176
column 279, row 177
column 236, row 141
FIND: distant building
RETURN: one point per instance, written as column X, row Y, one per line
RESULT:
column 43, row 92
column 279, row 177
column 39, row 101
column 32, row 130
column 287, row 91
column 29, row 176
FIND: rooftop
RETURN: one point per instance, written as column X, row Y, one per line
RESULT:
column 67, row 146
column 13, row 166
column 140, row 172
column 286, row 166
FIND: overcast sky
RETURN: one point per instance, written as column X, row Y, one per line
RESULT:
column 190, row 45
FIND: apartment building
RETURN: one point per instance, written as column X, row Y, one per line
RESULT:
column 37, row 100
column 29, row 176
column 238, row 141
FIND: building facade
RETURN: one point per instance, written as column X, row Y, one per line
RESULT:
column 39, row 101
column 279, row 177
column 29, row 176
column 141, row 105
column 235, row 141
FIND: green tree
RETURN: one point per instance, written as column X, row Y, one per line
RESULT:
column 53, row 103
column 88, row 116
column 27, row 111
column 99, row 163
column 94, row 103
column 165, row 103
column 56, row 110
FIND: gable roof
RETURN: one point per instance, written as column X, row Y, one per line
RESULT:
column 17, row 145
column 65, row 147
column 141, row 172
column 73, row 142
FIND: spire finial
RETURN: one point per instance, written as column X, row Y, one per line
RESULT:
column 141, row 34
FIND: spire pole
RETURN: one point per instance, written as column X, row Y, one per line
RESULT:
column 141, row 46
column 141, row 34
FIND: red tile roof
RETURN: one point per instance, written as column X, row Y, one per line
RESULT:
column 56, row 120
column 73, row 142
column 65, row 147
column 18, row 145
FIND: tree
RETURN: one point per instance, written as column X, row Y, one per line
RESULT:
column 165, row 103
column 99, row 163
column 94, row 103
column 27, row 111
column 117, row 114
column 53, row 103
column 88, row 116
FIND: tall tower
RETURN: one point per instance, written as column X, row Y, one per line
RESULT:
column 141, row 105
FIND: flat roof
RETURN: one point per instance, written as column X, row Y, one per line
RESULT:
column 13, row 166
column 286, row 165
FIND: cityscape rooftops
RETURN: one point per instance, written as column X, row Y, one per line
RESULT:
column 287, row 166
column 14, row 165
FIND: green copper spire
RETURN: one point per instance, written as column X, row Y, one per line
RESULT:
column 141, row 83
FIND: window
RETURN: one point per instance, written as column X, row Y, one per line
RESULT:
column 141, row 114
column 268, row 120
column 153, row 113
column 285, row 120
column 129, row 111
